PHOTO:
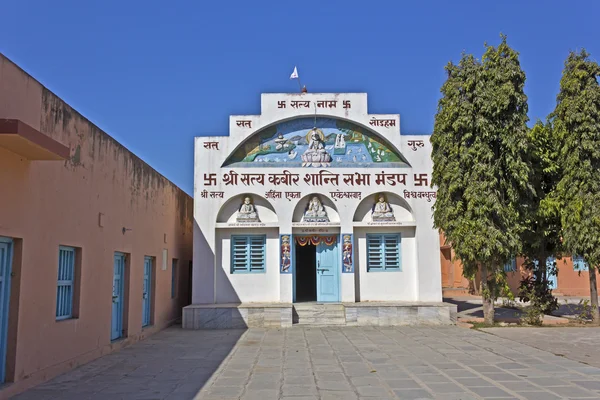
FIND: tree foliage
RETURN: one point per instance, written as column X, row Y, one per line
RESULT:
column 480, row 163
column 576, row 120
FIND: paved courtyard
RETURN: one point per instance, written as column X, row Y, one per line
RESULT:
column 327, row 363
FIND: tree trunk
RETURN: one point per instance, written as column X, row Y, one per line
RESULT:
column 594, row 296
column 486, row 294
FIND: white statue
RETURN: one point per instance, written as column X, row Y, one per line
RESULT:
column 315, row 212
column 247, row 211
column 315, row 155
column 382, row 211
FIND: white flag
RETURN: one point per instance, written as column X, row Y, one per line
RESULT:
column 294, row 74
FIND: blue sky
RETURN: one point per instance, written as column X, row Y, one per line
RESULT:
column 154, row 74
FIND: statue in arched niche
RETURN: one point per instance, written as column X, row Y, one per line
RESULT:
column 382, row 211
column 247, row 211
column 315, row 212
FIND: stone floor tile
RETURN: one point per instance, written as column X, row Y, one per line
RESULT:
column 473, row 382
column 260, row 394
column 413, row 394
column 490, row 392
column 372, row 391
column 573, row 392
column 444, row 388
column 337, row 395
column 539, row 395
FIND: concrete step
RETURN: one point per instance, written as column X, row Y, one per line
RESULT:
column 313, row 314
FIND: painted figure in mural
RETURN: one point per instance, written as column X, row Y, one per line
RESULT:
column 315, row 212
column 347, row 254
column 382, row 211
column 316, row 155
column 280, row 142
column 247, row 211
column 286, row 260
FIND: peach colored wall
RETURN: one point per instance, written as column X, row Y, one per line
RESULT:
column 569, row 281
column 45, row 204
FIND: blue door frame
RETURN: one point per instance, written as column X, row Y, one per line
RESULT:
column 6, row 247
column 116, row 330
column 147, row 291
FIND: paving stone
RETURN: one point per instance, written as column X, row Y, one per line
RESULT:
column 260, row 394
column 444, row 388
column 337, row 395
column 490, row 392
column 432, row 378
column 403, row 384
column 372, row 391
column 413, row 394
column 573, row 392
column 333, row 385
column 473, row 382
column 538, row 395
column 298, row 390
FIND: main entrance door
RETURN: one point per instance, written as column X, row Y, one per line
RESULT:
column 316, row 269
column 327, row 272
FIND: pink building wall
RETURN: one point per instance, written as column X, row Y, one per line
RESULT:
column 44, row 204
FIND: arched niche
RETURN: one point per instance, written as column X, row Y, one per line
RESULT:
column 265, row 210
column 340, row 143
column 401, row 209
column 328, row 205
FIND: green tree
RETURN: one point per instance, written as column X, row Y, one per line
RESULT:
column 542, row 237
column 480, row 164
column 576, row 120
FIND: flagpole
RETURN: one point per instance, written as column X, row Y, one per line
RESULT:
column 299, row 84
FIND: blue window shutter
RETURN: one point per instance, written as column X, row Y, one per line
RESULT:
column 375, row 259
column 383, row 252
column 391, row 250
column 248, row 253
column 239, row 254
column 256, row 251
column 65, row 283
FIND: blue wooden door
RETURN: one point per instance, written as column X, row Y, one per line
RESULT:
column 328, row 288
column 5, row 271
column 147, row 291
column 552, row 278
column 117, row 297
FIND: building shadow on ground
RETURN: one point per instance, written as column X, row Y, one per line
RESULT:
column 174, row 363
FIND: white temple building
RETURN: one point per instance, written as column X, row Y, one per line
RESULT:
column 314, row 203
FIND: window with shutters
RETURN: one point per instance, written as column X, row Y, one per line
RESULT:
column 579, row 264
column 248, row 254
column 383, row 252
column 66, row 290
column 511, row 266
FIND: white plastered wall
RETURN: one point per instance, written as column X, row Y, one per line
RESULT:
column 211, row 276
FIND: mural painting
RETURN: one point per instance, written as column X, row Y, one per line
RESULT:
column 286, row 254
column 347, row 262
column 320, row 142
